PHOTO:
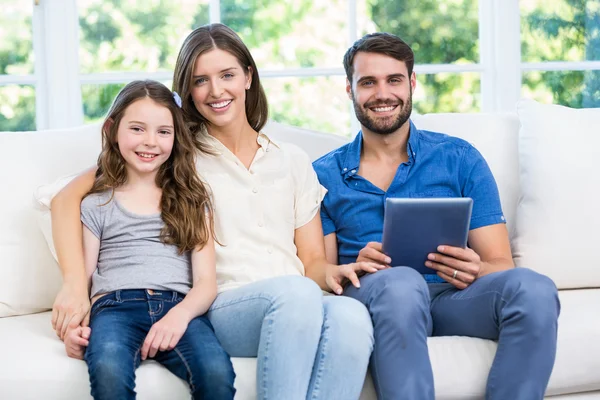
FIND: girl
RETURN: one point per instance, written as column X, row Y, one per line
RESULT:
column 267, row 198
column 145, row 219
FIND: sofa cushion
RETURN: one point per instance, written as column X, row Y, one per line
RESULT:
column 36, row 366
column 558, row 215
column 29, row 277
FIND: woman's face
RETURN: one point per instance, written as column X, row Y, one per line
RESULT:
column 219, row 88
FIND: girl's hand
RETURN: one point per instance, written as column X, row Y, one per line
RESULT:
column 337, row 275
column 76, row 340
column 166, row 333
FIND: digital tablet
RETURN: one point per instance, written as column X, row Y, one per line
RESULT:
column 413, row 228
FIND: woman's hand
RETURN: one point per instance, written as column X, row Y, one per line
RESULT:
column 71, row 308
column 166, row 333
column 336, row 276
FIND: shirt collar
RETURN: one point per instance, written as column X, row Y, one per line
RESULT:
column 214, row 144
column 352, row 160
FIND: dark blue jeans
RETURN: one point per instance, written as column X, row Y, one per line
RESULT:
column 120, row 322
column 519, row 308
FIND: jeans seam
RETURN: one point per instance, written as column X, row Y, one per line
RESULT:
column 185, row 363
column 242, row 299
column 321, row 361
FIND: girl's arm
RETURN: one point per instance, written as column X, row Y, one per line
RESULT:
column 166, row 333
column 311, row 251
column 72, row 302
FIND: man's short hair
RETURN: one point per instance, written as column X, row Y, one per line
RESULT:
column 381, row 43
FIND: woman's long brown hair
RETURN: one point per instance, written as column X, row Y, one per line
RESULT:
column 185, row 204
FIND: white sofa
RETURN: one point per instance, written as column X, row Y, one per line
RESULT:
column 548, row 182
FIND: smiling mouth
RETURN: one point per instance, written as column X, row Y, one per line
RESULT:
column 147, row 155
column 382, row 108
column 220, row 105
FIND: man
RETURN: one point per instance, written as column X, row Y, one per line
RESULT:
column 477, row 291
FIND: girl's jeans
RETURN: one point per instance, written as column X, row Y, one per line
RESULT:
column 120, row 322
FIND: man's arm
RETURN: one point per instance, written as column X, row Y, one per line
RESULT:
column 72, row 302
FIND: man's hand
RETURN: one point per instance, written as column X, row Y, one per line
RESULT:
column 455, row 265
column 76, row 340
column 70, row 309
column 166, row 333
column 336, row 276
column 373, row 252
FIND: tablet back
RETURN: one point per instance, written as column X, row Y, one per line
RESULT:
column 413, row 228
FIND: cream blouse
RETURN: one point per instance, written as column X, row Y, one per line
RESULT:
column 258, row 209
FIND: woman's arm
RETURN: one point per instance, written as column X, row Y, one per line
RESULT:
column 311, row 251
column 166, row 333
column 72, row 302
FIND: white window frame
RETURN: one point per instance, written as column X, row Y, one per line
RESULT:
column 57, row 79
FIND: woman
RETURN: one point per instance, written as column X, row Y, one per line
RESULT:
column 267, row 199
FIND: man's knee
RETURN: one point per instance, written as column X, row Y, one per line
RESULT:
column 399, row 293
column 536, row 294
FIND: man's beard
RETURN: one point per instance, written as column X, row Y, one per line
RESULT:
column 383, row 126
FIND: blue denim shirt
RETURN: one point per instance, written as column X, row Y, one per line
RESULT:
column 438, row 166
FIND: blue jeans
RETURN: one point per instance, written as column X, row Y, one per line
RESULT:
column 120, row 322
column 519, row 308
column 308, row 346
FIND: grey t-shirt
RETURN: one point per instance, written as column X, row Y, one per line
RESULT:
column 131, row 254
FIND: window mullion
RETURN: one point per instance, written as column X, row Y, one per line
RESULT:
column 56, row 44
column 214, row 11
column 506, row 47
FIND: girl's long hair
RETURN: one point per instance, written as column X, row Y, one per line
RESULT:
column 200, row 41
column 185, row 204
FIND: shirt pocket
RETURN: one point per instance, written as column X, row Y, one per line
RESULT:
column 281, row 202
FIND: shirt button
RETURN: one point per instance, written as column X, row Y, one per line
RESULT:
column 260, row 224
column 255, row 190
column 353, row 171
column 345, row 169
column 270, row 251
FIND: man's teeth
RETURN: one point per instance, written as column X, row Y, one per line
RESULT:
column 383, row 109
column 146, row 155
column 221, row 104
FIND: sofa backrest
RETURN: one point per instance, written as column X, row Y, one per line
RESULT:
column 29, row 276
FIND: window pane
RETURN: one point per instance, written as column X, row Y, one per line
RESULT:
column 577, row 89
column 17, row 108
column 16, row 48
column 318, row 103
column 97, row 99
column 447, row 92
column 135, row 35
column 439, row 31
column 560, row 30
column 290, row 34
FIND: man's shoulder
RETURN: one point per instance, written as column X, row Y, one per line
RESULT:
column 330, row 162
column 442, row 138
column 437, row 141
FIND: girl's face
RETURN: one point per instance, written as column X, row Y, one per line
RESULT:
column 145, row 136
column 219, row 88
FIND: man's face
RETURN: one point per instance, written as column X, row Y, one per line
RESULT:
column 381, row 91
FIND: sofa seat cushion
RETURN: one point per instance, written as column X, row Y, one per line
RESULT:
column 34, row 364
